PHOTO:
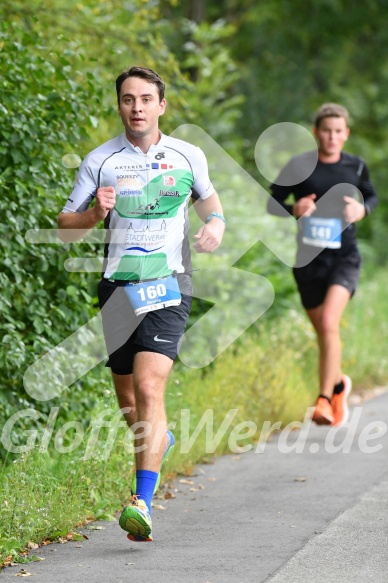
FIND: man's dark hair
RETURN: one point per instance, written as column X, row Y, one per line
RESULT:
column 144, row 73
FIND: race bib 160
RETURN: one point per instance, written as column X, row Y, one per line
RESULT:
column 153, row 295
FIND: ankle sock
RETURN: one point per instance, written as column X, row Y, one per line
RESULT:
column 339, row 388
column 324, row 397
column 145, row 485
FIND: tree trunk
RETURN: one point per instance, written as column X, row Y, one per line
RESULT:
column 196, row 11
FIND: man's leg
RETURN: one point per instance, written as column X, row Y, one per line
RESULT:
column 125, row 392
column 150, row 376
column 326, row 320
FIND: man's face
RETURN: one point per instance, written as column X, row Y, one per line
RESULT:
column 140, row 108
column 331, row 134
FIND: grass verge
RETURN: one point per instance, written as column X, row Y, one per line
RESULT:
column 268, row 375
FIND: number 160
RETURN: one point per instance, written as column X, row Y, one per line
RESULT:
column 152, row 291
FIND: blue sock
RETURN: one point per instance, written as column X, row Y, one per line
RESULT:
column 146, row 480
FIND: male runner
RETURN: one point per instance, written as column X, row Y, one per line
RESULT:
column 141, row 183
column 328, row 280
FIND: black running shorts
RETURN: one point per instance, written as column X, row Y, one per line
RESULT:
column 126, row 334
column 329, row 268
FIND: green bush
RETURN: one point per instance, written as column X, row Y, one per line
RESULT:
column 46, row 108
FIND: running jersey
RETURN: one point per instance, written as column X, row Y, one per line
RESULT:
column 147, row 229
column 349, row 170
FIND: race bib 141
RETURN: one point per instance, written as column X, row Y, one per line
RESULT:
column 322, row 232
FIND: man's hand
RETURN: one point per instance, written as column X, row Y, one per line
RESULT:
column 105, row 201
column 304, row 206
column 354, row 211
column 209, row 236
column 73, row 226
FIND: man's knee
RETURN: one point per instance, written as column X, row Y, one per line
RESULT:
column 149, row 390
column 328, row 324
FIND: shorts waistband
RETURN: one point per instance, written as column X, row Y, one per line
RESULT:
column 122, row 282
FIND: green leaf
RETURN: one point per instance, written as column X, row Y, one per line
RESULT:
column 72, row 291
column 93, row 121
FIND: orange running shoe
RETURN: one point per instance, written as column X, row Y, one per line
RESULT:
column 339, row 402
column 323, row 412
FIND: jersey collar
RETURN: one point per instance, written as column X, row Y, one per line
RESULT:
column 132, row 148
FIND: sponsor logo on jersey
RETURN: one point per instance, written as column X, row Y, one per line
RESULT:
column 159, row 156
column 145, row 213
column 169, row 180
column 131, row 193
column 147, row 240
column 169, row 193
column 129, row 167
column 150, row 206
column 128, row 180
column 149, row 209
column 156, row 166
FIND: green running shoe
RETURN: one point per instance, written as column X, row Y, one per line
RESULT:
column 170, row 443
column 135, row 519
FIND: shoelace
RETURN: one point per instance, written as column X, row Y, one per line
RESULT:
column 134, row 501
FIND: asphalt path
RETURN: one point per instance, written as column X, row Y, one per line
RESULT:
column 309, row 505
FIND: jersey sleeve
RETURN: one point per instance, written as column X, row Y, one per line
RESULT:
column 276, row 204
column 84, row 189
column 202, row 187
column 367, row 190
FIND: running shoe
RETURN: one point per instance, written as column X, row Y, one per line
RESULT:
column 135, row 519
column 323, row 412
column 339, row 402
column 170, row 443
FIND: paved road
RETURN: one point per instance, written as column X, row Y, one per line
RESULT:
column 317, row 515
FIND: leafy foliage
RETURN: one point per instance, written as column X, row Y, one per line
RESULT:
column 233, row 68
column 57, row 99
column 45, row 110
column 291, row 59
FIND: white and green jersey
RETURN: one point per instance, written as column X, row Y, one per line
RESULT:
column 147, row 229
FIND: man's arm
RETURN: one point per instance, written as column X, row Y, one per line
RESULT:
column 368, row 191
column 354, row 210
column 281, row 189
column 293, row 174
column 73, row 226
column 276, row 205
column 303, row 206
column 210, row 234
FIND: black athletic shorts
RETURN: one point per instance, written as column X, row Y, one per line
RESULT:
column 329, row 268
column 127, row 334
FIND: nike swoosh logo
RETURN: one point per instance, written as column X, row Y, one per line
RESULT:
column 161, row 339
